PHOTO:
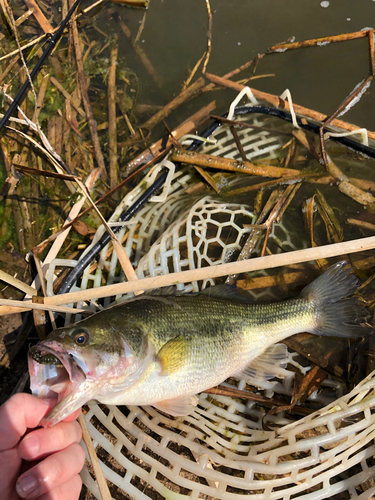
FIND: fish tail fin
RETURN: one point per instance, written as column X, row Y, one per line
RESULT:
column 338, row 316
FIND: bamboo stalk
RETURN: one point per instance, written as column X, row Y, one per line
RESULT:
column 267, row 262
column 276, row 101
column 220, row 163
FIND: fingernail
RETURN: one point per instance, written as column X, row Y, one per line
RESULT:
column 27, row 486
column 32, row 445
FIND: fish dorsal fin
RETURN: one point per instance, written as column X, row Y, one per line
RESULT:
column 267, row 365
column 224, row 291
column 172, row 355
column 179, row 406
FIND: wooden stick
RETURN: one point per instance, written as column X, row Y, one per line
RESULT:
column 219, row 163
column 276, row 101
column 102, row 483
column 268, row 262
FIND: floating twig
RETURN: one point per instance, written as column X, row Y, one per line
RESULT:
column 220, row 163
column 325, row 40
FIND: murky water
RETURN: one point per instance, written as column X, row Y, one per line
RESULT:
column 174, row 38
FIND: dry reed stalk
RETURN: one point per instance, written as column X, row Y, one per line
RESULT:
column 9, row 68
column 39, row 16
column 16, row 283
column 252, row 62
column 43, row 37
column 192, row 73
column 362, row 224
column 343, row 106
column 161, row 147
column 67, row 96
column 86, row 102
column 112, row 126
column 262, row 282
column 8, row 306
column 220, row 163
column 212, row 272
column 172, row 105
column 276, row 101
column 208, row 178
column 63, row 233
column 281, row 47
column 209, row 37
column 255, row 234
column 371, row 51
column 42, row 92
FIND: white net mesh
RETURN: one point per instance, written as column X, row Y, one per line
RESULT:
column 229, row 448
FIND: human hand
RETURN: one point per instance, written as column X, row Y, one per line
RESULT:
column 52, row 458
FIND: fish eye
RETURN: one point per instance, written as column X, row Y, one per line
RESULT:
column 81, row 338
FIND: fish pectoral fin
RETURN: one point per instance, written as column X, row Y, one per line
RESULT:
column 267, row 365
column 178, row 407
column 172, row 355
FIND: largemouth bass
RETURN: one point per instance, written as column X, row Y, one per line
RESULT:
column 163, row 350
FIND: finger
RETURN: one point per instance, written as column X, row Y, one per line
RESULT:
column 43, row 442
column 71, row 490
column 20, row 412
column 51, row 472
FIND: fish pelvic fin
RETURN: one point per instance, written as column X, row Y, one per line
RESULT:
column 271, row 363
column 338, row 316
column 178, row 407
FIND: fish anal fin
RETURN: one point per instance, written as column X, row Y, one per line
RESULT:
column 172, row 355
column 267, row 365
column 178, row 407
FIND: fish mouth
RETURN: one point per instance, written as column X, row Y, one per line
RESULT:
column 54, row 372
